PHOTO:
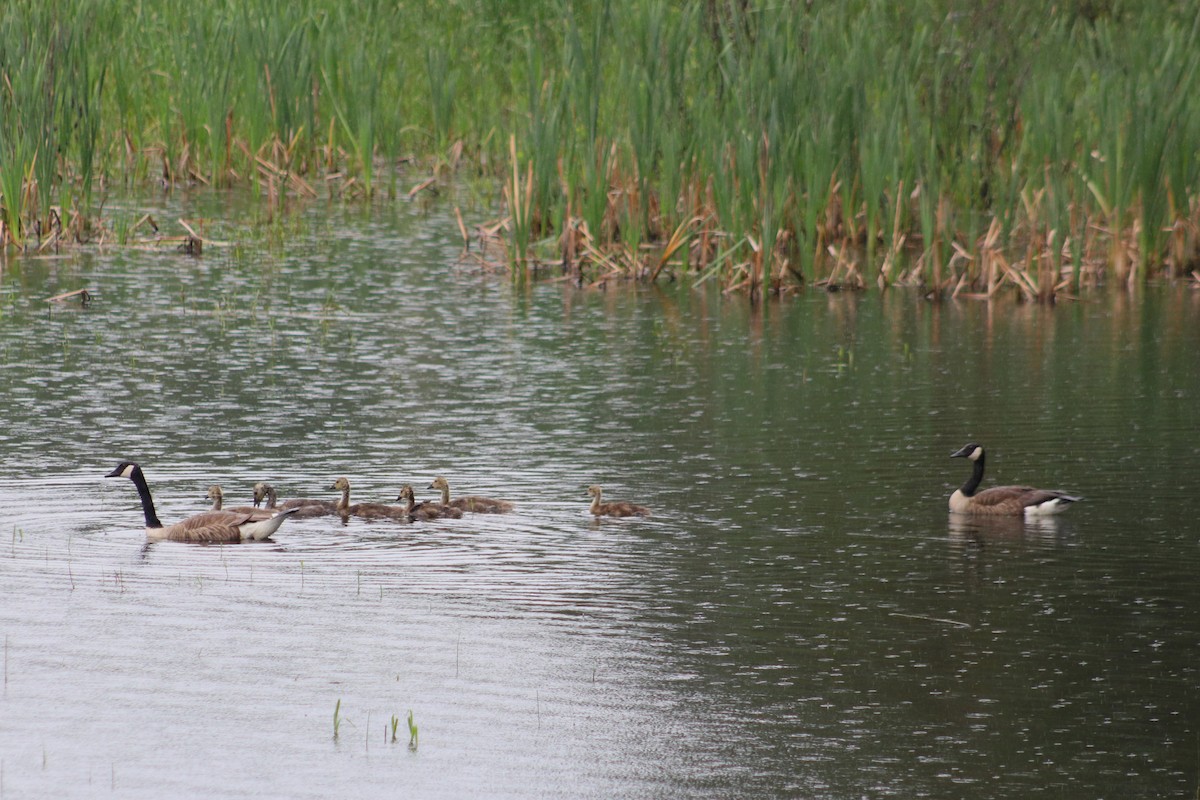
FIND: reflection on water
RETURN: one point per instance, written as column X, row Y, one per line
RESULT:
column 800, row 617
column 967, row 531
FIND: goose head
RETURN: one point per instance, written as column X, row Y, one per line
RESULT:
column 215, row 495
column 439, row 483
column 341, row 485
column 594, row 491
column 261, row 490
column 971, row 451
column 406, row 493
column 126, row 469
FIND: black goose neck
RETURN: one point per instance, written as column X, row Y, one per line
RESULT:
column 139, row 480
column 968, row 488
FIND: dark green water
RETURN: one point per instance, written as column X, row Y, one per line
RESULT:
column 801, row 616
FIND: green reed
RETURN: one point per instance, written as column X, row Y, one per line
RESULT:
column 48, row 92
column 765, row 142
column 443, row 86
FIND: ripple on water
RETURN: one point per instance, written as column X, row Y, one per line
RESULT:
column 799, row 618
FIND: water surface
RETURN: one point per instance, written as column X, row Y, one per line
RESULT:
column 800, row 617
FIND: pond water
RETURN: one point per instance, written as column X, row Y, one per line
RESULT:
column 800, row 617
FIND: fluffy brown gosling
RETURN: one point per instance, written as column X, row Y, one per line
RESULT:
column 424, row 511
column 264, row 493
column 365, row 510
column 217, row 497
column 476, row 505
column 614, row 509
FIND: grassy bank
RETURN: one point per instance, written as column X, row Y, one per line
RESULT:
column 962, row 145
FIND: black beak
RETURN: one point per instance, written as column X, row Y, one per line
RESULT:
column 116, row 473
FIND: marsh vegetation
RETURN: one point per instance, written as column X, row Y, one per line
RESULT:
column 957, row 145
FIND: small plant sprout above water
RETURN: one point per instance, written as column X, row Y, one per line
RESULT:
column 337, row 718
column 412, row 732
column 395, row 725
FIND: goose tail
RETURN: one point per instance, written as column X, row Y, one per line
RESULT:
column 1054, row 505
column 257, row 530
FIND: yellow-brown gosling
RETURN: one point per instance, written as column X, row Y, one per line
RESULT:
column 211, row 526
column 1003, row 500
column 424, row 511
column 365, row 510
column 476, row 505
column 614, row 509
column 217, row 497
column 264, row 493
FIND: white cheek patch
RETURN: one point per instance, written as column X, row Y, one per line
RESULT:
column 975, row 454
column 127, row 472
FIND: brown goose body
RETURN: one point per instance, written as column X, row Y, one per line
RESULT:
column 614, row 509
column 365, row 510
column 425, row 511
column 476, row 505
column 211, row 526
column 217, row 497
column 265, row 493
column 1003, row 500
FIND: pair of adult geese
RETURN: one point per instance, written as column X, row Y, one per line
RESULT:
column 254, row 523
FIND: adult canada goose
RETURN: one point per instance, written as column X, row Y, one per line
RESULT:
column 211, row 526
column 365, row 510
column 614, row 509
column 217, row 497
column 476, row 505
column 1007, row 500
column 265, row 493
column 424, row 511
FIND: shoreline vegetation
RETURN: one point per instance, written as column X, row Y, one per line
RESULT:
column 965, row 147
